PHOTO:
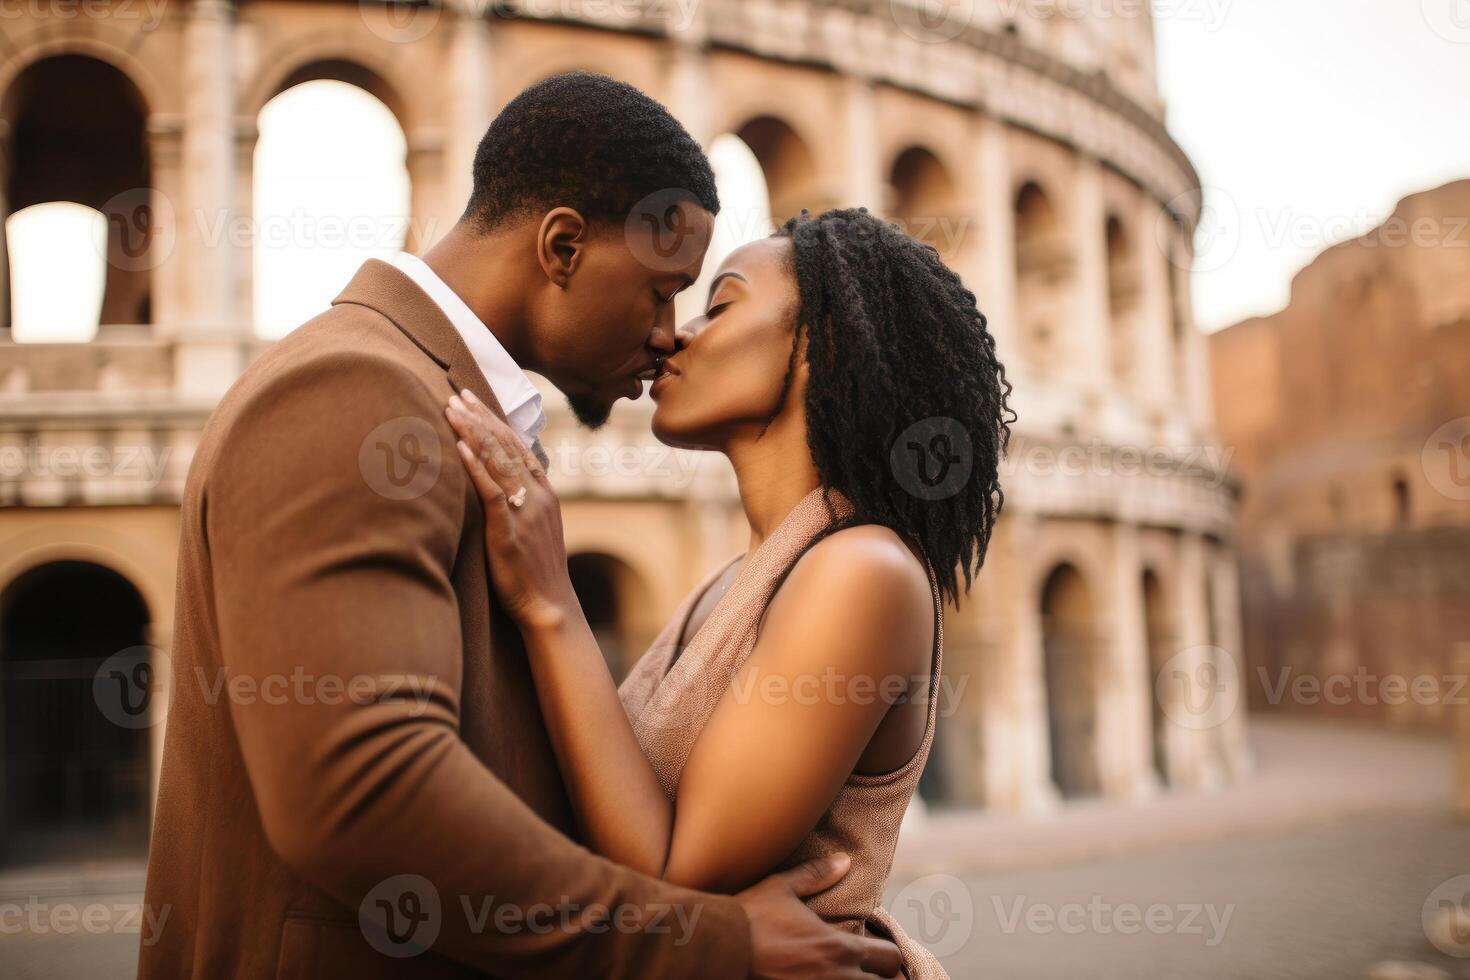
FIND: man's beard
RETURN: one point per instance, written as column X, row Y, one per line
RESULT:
column 592, row 413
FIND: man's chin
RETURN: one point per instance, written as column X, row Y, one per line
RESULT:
column 590, row 412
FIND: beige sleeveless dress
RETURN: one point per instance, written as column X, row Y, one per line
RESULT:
column 669, row 696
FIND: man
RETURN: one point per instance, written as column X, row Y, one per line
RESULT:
column 356, row 778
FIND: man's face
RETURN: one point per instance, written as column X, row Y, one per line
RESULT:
column 615, row 316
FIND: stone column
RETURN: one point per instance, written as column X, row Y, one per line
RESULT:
column 4, row 245
column 994, row 268
column 429, row 215
column 165, row 157
column 1193, row 368
column 1125, row 722
column 1233, row 749
column 1193, row 715
column 865, row 183
column 469, row 111
column 247, row 135
column 209, row 355
column 1091, row 366
column 1156, row 314
column 689, row 83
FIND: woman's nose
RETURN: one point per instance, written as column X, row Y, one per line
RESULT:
column 685, row 335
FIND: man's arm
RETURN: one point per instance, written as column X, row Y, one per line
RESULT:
column 330, row 590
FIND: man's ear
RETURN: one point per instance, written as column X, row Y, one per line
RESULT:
column 560, row 242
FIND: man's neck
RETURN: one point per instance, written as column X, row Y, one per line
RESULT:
column 463, row 259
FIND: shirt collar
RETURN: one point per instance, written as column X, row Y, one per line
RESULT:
column 518, row 397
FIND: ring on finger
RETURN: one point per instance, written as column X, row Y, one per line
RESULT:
column 518, row 498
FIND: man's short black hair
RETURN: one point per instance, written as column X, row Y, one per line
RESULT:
column 584, row 141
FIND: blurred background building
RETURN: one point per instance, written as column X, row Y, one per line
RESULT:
column 148, row 214
column 1349, row 415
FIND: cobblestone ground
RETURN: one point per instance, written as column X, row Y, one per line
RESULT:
column 1321, row 904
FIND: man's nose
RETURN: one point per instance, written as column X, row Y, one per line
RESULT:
column 664, row 336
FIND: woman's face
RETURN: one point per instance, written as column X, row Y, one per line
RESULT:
column 727, row 378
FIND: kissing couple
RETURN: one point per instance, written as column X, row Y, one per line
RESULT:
column 479, row 798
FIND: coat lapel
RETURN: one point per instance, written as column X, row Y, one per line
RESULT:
column 379, row 286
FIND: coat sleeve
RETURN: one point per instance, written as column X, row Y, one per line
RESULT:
column 340, row 637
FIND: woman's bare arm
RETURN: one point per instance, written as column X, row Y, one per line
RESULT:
column 844, row 636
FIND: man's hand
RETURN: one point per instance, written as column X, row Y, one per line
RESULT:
column 790, row 941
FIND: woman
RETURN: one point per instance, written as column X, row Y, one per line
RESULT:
column 788, row 708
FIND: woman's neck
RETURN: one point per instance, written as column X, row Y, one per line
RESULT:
column 774, row 471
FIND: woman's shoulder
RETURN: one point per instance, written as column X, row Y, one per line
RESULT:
column 867, row 576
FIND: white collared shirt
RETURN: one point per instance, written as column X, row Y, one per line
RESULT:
column 518, row 397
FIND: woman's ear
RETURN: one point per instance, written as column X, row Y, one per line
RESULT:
column 559, row 244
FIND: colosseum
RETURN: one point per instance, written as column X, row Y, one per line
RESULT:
column 1024, row 140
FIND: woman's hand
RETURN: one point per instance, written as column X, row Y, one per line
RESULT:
column 523, row 534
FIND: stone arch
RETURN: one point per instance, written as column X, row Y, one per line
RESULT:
column 76, row 750
column 1045, row 271
column 924, row 199
column 616, row 600
column 112, row 50
column 1125, row 291
column 78, row 133
column 1071, row 675
column 788, row 163
column 337, row 59
column 376, row 226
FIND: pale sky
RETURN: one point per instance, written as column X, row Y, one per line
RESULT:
column 1307, row 121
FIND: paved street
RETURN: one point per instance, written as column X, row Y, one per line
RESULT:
column 1315, row 867
column 1322, row 904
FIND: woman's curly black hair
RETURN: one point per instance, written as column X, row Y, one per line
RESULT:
column 901, row 370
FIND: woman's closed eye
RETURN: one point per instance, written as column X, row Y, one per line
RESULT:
column 716, row 310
